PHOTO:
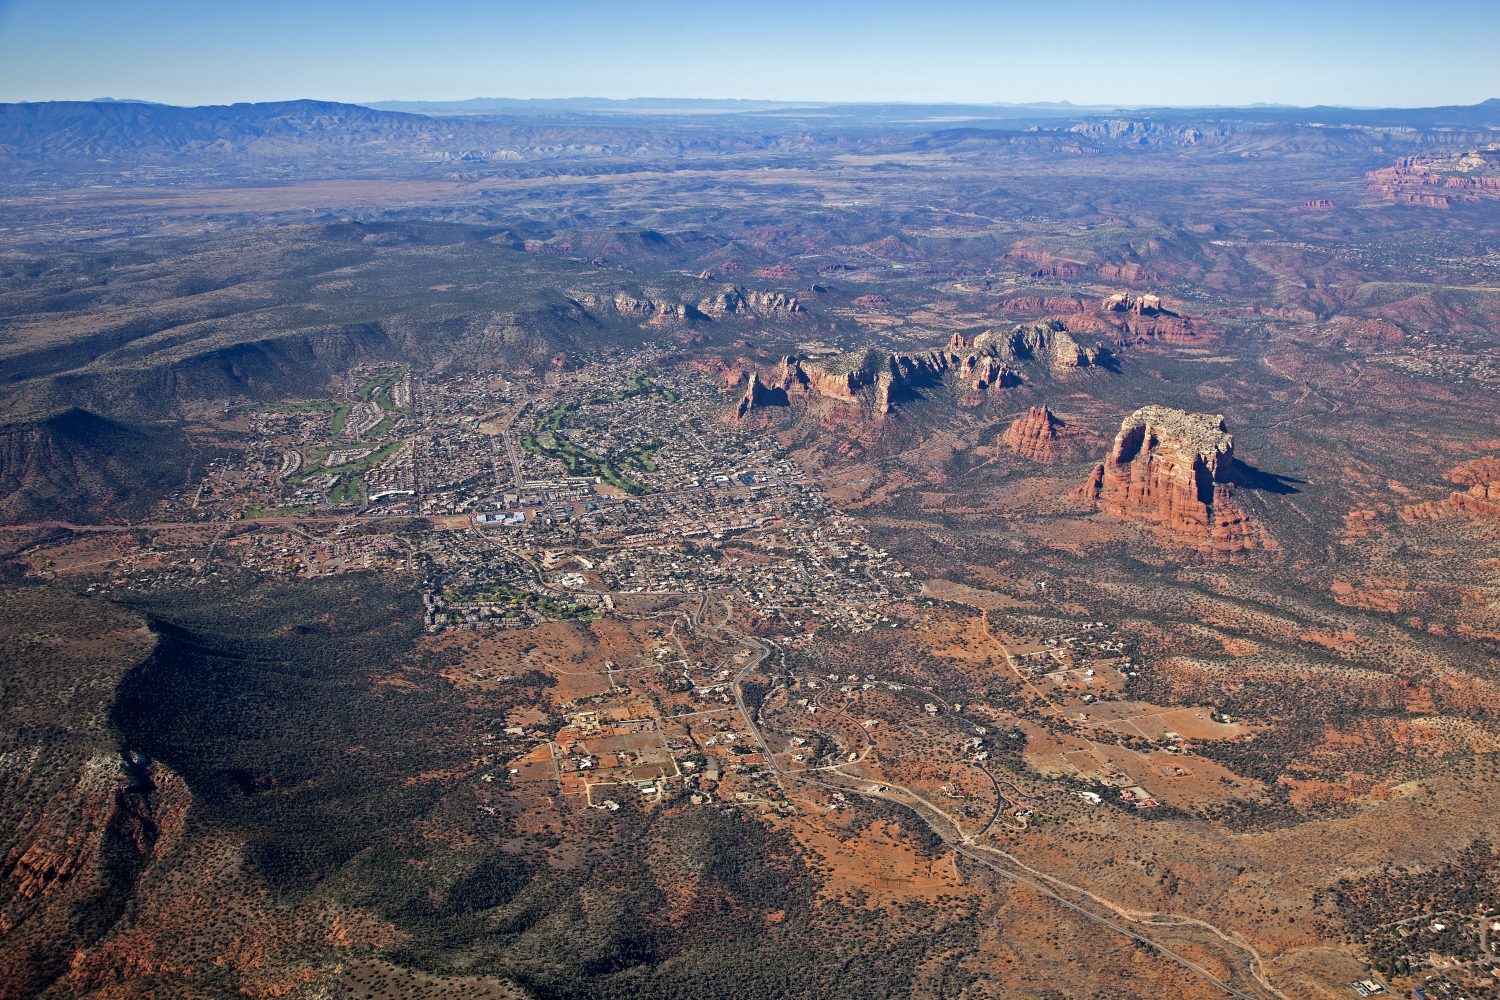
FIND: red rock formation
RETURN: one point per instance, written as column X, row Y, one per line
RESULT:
column 1145, row 318
column 1045, row 264
column 1128, row 271
column 1174, row 472
column 733, row 300
column 1058, row 305
column 969, row 368
column 1038, row 435
column 1437, row 182
column 1481, row 499
column 759, row 395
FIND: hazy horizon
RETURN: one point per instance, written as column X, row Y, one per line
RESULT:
column 378, row 103
column 1086, row 52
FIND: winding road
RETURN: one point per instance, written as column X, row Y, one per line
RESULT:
column 1247, row 979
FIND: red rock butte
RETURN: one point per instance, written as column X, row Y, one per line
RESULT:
column 1036, row 435
column 1174, row 472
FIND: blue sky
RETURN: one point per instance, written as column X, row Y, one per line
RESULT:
column 1359, row 52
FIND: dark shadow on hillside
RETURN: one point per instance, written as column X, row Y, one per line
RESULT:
column 1267, row 482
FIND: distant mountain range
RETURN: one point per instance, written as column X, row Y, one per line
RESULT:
column 103, row 134
column 105, row 129
column 1484, row 113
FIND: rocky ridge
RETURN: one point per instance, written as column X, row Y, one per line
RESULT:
column 653, row 308
column 1438, row 182
column 970, row 367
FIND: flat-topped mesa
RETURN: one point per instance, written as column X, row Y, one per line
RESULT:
column 1174, row 472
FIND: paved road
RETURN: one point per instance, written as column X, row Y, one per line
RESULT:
column 1011, row 869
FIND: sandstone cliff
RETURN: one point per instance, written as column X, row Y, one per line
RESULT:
column 646, row 308
column 1174, row 472
column 759, row 395
column 1040, row 435
column 1144, row 318
column 656, row 308
column 1439, row 181
column 968, row 368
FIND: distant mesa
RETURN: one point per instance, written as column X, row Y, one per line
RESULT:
column 656, row 308
column 1440, row 181
column 967, row 369
column 1174, row 472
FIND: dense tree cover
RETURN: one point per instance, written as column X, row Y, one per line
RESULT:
column 274, row 703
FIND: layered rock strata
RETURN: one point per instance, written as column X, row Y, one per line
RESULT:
column 1174, row 472
column 1038, row 436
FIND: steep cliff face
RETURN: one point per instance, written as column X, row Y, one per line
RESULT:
column 733, row 300
column 1040, row 435
column 759, row 395
column 1048, row 343
column 1439, row 181
column 969, row 368
column 654, row 308
column 1174, row 472
column 646, row 308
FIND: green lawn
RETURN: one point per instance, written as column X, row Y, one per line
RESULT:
column 518, row 598
column 379, row 384
column 548, row 441
column 253, row 513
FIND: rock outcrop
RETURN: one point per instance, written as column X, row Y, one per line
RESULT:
column 1481, row 476
column 969, row 367
column 656, row 308
column 1040, row 435
column 1145, row 318
column 1174, row 472
column 1439, row 181
column 759, row 395
column 646, row 308
column 733, row 300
